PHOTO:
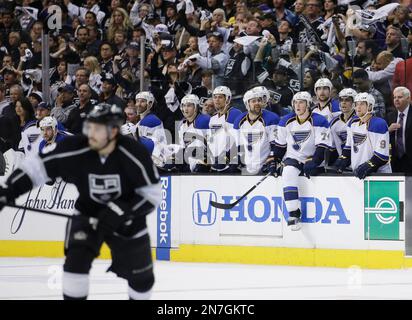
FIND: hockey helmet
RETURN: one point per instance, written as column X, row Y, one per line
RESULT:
column 190, row 98
column 146, row 95
column 366, row 97
column 48, row 122
column 348, row 92
column 264, row 93
column 323, row 82
column 109, row 114
column 225, row 91
column 249, row 95
column 302, row 95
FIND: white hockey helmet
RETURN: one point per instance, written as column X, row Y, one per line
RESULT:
column 146, row 95
column 302, row 95
column 249, row 95
column 366, row 97
column 264, row 93
column 348, row 92
column 190, row 98
column 128, row 129
column 225, row 91
column 323, row 82
column 48, row 122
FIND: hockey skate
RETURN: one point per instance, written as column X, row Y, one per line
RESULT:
column 294, row 221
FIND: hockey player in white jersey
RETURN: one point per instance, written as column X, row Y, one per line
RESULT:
column 193, row 134
column 301, row 143
column 367, row 144
column 161, row 152
column 50, row 134
column 149, row 125
column 338, row 125
column 256, row 132
column 221, row 140
column 326, row 106
column 31, row 135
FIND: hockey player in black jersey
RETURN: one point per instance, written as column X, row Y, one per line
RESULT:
column 117, row 183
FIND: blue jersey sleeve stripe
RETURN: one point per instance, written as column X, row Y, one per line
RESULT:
column 285, row 120
column 202, row 122
column 319, row 121
column 378, row 125
column 151, row 121
column 233, row 114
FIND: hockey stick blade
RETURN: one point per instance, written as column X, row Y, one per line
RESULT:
column 222, row 205
column 231, row 205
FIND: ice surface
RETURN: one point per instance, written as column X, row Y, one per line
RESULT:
column 39, row 278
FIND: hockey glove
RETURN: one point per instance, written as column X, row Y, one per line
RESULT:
column 365, row 169
column 342, row 163
column 309, row 168
column 112, row 217
column 271, row 166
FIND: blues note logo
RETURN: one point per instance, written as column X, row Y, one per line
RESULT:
column 343, row 135
column 299, row 137
column 358, row 139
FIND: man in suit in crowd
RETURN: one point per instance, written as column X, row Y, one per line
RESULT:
column 400, row 130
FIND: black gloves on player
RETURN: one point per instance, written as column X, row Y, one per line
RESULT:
column 113, row 216
column 309, row 168
column 365, row 169
column 272, row 166
column 342, row 163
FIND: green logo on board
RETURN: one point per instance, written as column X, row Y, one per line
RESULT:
column 381, row 203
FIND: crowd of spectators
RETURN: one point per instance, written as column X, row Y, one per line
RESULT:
column 191, row 47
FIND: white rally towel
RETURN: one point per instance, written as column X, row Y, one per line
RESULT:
column 369, row 16
column 246, row 40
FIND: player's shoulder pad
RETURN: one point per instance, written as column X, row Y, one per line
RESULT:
column 333, row 121
column 67, row 145
column 202, row 121
column 233, row 113
column 29, row 124
column 150, row 121
column 335, row 105
column 60, row 137
column 239, row 120
column 147, row 143
column 42, row 144
column 270, row 118
column 377, row 125
column 319, row 121
column 286, row 119
column 60, row 126
column 353, row 120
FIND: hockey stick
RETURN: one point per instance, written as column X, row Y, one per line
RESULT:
column 231, row 205
column 92, row 221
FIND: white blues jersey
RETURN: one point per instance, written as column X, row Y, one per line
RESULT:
column 338, row 128
column 151, row 127
column 255, row 138
column 368, row 139
column 302, row 138
column 329, row 111
column 221, row 138
column 30, row 138
column 194, row 135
